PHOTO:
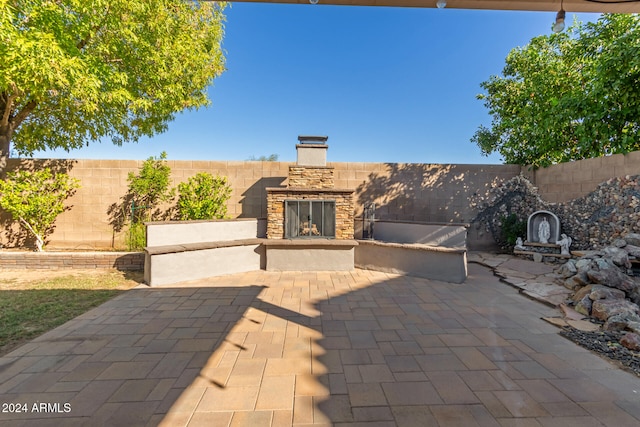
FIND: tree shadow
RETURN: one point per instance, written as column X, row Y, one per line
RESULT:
column 155, row 355
column 254, row 199
column 124, row 212
column 427, row 192
column 145, row 329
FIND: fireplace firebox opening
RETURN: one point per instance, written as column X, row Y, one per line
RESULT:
column 310, row 219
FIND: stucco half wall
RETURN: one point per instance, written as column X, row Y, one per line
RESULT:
column 436, row 263
column 309, row 254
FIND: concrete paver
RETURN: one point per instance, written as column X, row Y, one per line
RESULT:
column 342, row 348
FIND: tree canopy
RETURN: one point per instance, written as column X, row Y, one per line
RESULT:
column 567, row 96
column 77, row 71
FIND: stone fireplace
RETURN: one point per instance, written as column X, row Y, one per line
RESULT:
column 310, row 207
column 310, row 223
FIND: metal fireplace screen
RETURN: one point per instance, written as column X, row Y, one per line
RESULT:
column 310, row 218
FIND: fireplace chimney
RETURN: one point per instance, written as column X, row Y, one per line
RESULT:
column 312, row 150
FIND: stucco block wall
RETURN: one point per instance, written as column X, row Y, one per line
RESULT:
column 413, row 192
column 87, row 225
column 567, row 181
column 408, row 192
column 420, row 192
column 443, row 234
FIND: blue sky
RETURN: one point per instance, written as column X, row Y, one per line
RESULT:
column 384, row 84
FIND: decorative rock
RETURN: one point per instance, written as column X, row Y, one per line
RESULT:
column 584, row 306
column 583, row 264
column 631, row 341
column 609, row 213
column 632, row 239
column 604, row 309
column 537, row 257
column 613, row 278
column 634, row 295
column 589, row 255
column 568, row 269
column 599, row 292
column 620, row 322
column 633, row 250
column 604, row 263
column 634, row 327
column 615, row 323
column 576, row 282
column 583, row 292
column 619, row 243
column 620, row 257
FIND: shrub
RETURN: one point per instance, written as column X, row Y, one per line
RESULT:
column 512, row 228
column 203, row 196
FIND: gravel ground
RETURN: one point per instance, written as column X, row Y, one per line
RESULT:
column 606, row 344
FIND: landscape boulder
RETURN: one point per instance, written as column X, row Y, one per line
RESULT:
column 632, row 239
column 633, row 251
column 568, row 269
column 584, row 305
column 619, row 256
column 612, row 277
column 599, row 292
column 631, row 341
column 604, row 309
column 622, row 322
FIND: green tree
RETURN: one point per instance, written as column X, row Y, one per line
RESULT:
column 35, row 199
column 203, row 196
column 567, row 96
column 148, row 188
column 77, row 71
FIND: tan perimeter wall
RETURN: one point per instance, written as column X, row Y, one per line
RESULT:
column 567, row 181
column 413, row 192
column 406, row 192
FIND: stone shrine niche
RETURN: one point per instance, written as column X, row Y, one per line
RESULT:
column 534, row 226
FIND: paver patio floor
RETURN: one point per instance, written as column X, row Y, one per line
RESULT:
column 322, row 348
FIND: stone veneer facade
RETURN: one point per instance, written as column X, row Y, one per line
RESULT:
column 310, row 183
column 311, row 177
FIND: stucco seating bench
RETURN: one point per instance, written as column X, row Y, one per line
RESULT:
column 414, row 259
column 169, row 264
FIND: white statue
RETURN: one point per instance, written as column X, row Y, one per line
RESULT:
column 544, row 232
column 564, row 243
column 519, row 243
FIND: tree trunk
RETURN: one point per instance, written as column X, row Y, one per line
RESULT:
column 5, row 141
column 39, row 238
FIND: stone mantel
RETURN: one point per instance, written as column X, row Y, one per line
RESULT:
column 309, row 190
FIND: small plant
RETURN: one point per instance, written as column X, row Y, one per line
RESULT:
column 36, row 199
column 203, row 196
column 137, row 236
column 512, row 228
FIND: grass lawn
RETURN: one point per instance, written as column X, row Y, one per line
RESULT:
column 37, row 302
